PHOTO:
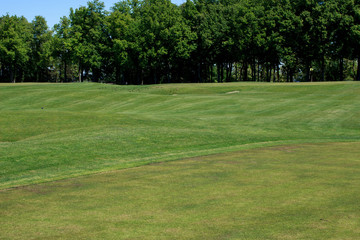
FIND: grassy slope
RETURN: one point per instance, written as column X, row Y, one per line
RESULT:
column 306, row 191
column 86, row 128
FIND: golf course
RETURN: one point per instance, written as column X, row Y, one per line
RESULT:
column 241, row 160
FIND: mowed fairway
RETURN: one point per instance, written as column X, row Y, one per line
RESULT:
column 259, row 161
column 284, row 192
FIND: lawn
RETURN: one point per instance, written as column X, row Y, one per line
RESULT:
column 253, row 161
column 54, row 131
column 302, row 191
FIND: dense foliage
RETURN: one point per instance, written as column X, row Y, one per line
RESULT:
column 155, row 41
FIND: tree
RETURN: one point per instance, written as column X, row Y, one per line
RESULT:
column 289, row 28
column 355, row 37
column 40, row 47
column 63, row 44
column 148, row 41
column 163, row 39
column 120, row 20
column 250, row 37
column 340, row 25
column 15, row 37
column 89, row 38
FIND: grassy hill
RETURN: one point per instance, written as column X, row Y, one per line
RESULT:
column 254, row 161
column 54, row 131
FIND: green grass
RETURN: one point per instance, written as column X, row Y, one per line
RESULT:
column 54, row 131
column 286, row 161
column 302, row 191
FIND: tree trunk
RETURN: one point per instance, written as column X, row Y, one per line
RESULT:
column 199, row 73
column 236, row 72
column 307, row 72
column 218, row 72
column 117, row 75
column 65, row 71
column 86, row 76
column 287, row 75
column 168, row 73
column 341, row 69
column 323, row 69
column 241, row 72
column 268, row 73
column 1, row 72
column 122, row 76
column 274, row 76
column 245, row 66
column 205, row 78
column 222, row 66
column 353, row 70
column 12, row 74
column 155, row 77
column 230, row 69
column 139, row 77
column 80, row 73
column 358, row 70
column 253, row 71
column 206, row 74
column 227, row 73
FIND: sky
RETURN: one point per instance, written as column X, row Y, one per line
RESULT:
column 52, row 10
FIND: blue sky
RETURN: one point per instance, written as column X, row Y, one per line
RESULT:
column 52, row 10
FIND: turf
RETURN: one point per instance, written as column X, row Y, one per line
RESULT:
column 56, row 131
column 301, row 191
column 253, row 161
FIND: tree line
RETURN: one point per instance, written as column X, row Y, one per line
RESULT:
column 155, row 41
